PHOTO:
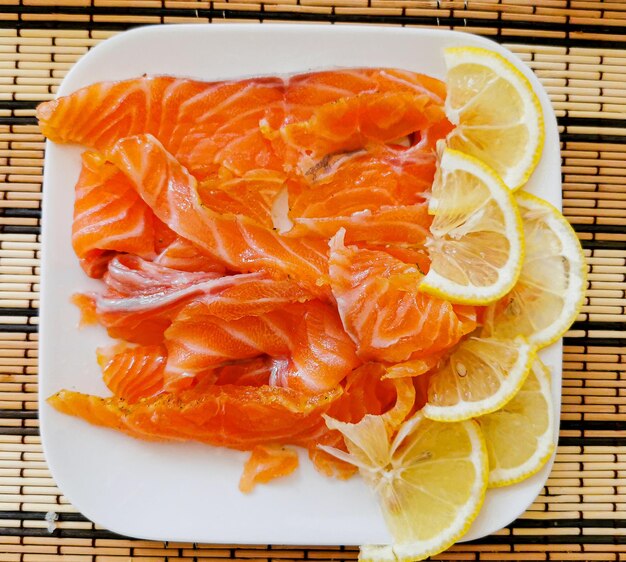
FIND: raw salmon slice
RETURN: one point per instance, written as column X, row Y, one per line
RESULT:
column 252, row 295
column 352, row 123
column 252, row 195
column 206, row 125
column 142, row 298
column 416, row 256
column 266, row 463
column 133, row 373
column 238, row 417
column 109, row 215
column 406, row 225
column 239, row 243
column 183, row 255
column 364, row 180
column 215, row 126
column 315, row 352
column 382, row 308
column 307, row 92
column 377, row 195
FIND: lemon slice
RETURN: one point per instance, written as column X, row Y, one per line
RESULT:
column 528, row 422
column 476, row 247
column 430, row 480
column 551, row 287
column 498, row 116
column 480, row 376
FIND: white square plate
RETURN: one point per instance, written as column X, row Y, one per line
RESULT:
column 188, row 491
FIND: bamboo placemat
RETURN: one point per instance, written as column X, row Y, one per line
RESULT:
column 578, row 50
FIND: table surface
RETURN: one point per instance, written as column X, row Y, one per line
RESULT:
column 576, row 48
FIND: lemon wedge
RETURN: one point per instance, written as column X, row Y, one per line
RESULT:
column 551, row 288
column 476, row 247
column 497, row 114
column 480, row 376
column 527, row 421
column 430, row 479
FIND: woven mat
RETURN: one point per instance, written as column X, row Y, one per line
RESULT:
column 578, row 50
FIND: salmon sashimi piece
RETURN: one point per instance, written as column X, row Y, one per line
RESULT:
column 206, row 125
column 213, row 126
column 108, row 213
column 382, row 308
column 407, row 225
column 307, row 92
column 322, row 354
column 252, row 296
column 266, row 463
column 133, row 373
column 315, row 351
column 252, row 195
column 198, row 342
column 364, row 180
column 351, row 124
column 142, row 298
column 239, row 243
column 378, row 198
column 183, row 255
column 132, row 277
column 238, row 417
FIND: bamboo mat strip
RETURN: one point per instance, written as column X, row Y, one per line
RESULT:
column 576, row 49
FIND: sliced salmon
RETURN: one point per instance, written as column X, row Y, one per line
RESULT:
column 142, row 298
column 382, row 308
column 364, row 180
column 252, row 195
column 416, row 256
column 238, row 417
column 376, row 195
column 87, row 307
column 215, row 126
column 251, row 295
column 266, row 463
column 108, row 213
column 309, row 338
column 241, row 244
column 406, row 225
column 214, row 204
column 133, row 373
column 352, row 123
column 206, row 125
column 183, row 255
column 307, row 92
